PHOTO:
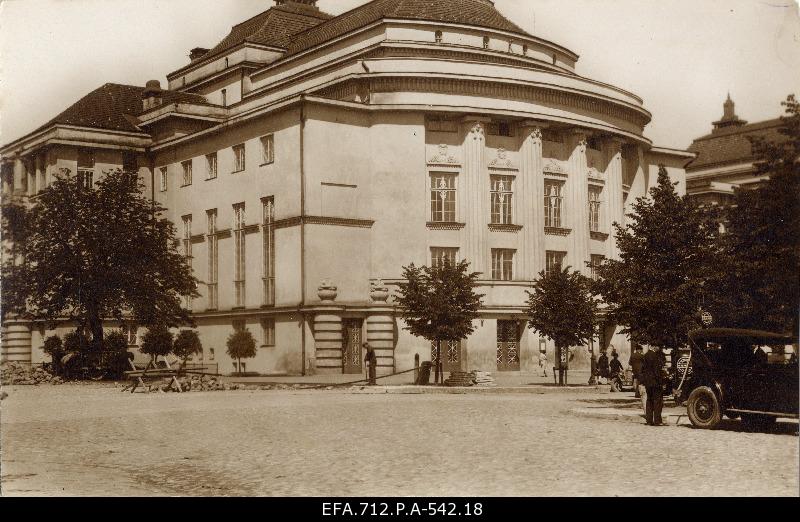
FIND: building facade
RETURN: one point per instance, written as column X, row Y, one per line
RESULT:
column 307, row 158
column 725, row 161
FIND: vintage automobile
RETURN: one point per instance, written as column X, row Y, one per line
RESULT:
column 747, row 374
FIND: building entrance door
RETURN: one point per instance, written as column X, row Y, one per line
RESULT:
column 451, row 356
column 351, row 349
column 507, row 346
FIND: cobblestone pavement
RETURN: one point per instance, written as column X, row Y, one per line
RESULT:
column 97, row 441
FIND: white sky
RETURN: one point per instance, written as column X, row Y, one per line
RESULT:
column 681, row 56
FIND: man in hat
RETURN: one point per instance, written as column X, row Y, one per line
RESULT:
column 635, row 362
column 652, row 377
column 372, row 361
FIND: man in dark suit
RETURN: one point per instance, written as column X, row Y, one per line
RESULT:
column 652, row 377
column 635, row 362
column 372, row 362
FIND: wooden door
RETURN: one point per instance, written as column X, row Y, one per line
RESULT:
column 507, row 346
column 351, row 349
column 451, row 356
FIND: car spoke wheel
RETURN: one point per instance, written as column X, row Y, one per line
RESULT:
column 703, row 408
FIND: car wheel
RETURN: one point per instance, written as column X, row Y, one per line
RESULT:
column 703, row 408
column 753, row 420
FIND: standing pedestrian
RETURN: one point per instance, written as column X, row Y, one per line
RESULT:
column 635, row 362
column 615, row 366
column 652, row 376
column 371, row 360
column 602, row 366
column 543, row 363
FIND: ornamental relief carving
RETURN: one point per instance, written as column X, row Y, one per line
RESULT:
column 443, row 156
column 551, row 166
column 477, row 132
column 502, row 160
column 536, row 136
column 594, row 173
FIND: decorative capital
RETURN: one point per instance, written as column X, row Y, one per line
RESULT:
column 477, row 131
column 536, row 135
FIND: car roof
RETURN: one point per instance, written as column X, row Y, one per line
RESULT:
column 750, row 336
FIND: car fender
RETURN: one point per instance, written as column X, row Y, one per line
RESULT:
column 716, row 386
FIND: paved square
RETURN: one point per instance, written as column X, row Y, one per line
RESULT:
column 92, row 440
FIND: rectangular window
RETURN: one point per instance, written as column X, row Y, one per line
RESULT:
column 502, row 194
column 187, row 250
column 187, row 172
column 85, row 169
column 213, row 258
column 268, row 149
column 268, row 245
column 440, row 256
column 86, row 177
column 238, row 158
column 443, row 198
column 163, row 178
column 129, row 330
column 239, row 245
column 596, row 261
column 553, row 203
column 439, row 124
column 594, row 144
column 500, row 128
column 594, row 208
column 552, row 136
column 211, row 166
column 129, row 162
column 502, row 264
column 554, row 261
column 268, row 330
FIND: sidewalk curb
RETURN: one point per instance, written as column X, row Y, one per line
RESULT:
column 670, row 419
column 418, row 390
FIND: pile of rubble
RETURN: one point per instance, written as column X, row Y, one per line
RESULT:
column 484, row 379
column 17, row 373
column 472, row 378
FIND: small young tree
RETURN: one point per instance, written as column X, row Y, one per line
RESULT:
column 561, row 308
column 439, row 303
column 186, row 344
column 157, row 341
column 241, row 345
column 667, row 252
column 55, row 349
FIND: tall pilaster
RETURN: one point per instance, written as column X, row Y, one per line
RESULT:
column 530, row 199
column 578, row 188
column 20, row 177
column 476, row 183
column 380, row 335
column 328, row 345
column 615, row 209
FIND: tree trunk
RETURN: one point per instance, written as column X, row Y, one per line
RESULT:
column 239, row 369
column 96, row 328
column 439, row 364
column 438, row 360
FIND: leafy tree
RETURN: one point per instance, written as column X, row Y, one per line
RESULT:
column 758, row 283
column 561, row 308
column 186, row 344
column 241, row 345
column 93, row 254
column 439, row 303
column 157, row 341
column 666, row 254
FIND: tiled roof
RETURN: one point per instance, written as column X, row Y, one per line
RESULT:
column 480, row 13
column 731, row 144
column 273, row 27
column 114, row 107
column 104, row 108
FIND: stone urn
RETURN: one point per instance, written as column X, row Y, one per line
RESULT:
column 326, row 291
column 378, row 292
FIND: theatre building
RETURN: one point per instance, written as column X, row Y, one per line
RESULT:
column 306, row 158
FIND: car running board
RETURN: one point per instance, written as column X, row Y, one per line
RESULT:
column 790, row 415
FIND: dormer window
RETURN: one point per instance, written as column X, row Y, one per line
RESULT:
column 525, row 50
column 554, row 59
column 438, row 37
column 485, row 42
column 510, row 47
column 224, row 97
column 226, row 63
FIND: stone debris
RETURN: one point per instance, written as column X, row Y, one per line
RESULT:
column 25, row 374
column 484, row 379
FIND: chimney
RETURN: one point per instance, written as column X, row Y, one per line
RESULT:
column 151, row 97
column 197, row 52
column 310, row 3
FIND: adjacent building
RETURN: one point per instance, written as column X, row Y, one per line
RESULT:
column 306, row 158
column 725, row 160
